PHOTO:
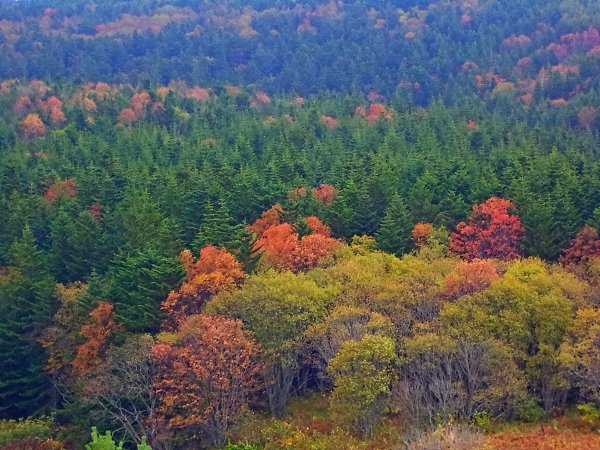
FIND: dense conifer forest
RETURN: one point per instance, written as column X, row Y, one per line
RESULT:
column 252, row 224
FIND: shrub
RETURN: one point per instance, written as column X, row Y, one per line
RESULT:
column 528, row 410
column 24, row 428
column 589, row 412
column 444, row 437
column 103, row 442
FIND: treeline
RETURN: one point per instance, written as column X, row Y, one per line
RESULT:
column 428, row 49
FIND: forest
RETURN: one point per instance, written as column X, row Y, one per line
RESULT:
column 307, row 225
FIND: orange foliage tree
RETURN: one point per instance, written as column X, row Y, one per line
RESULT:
column 421, row 233
column 31, row 126
column 584, row 247
column 492, row 232
column 215, row 271
column 285, row 249
column 97, row 332
column 268, row 219
column 375, row 112
column 329, row 122
column 205, row 378
column 469, row 277
column 52, row 108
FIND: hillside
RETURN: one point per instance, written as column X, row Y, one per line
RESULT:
column 278, row 224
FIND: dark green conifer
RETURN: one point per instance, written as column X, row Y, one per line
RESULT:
column 394, row 234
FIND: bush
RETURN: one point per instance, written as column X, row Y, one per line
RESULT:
column 529, row 410
column 103, row 442
column 31, row 443
column 482, row 420
column 589, row 412
column 24, row 428
column 444, row 437
column 231, row 446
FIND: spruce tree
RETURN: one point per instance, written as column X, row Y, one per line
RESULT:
column 394, row 234
column 137, row 284
column 26, row 303
column 218, row 228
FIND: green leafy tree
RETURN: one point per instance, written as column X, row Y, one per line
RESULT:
column 362, row 374
column 277, row 308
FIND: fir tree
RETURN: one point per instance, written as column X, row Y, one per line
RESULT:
column 394, row 234
column 218, row 228
column 137, row 284
column 26, row 302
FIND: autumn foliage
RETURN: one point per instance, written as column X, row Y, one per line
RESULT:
column 329, row 122
column 52, row 108
column 584, row 247
column 60, row 189
column 31, row 126
column 375, row 112
column 470, row 277
column 491, row 232
column 97, row 334
column 268, row 219
column 283, row 247
column 215, row 271
column 543, row 438
column 325, row 194
column 421, row 233
column 206, row 376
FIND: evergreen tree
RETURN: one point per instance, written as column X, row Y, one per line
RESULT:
column 26, row 302
column 218, row 228
column 137, row 284
column 394, row 234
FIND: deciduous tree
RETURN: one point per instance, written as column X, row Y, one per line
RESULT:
column 362, row 374
column 216, row 270
column 205, row 378
column 493, row 231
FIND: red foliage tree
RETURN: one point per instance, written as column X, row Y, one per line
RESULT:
column 97, row 333
column 584, row 247
column 492, row 232
column 329, row 122
column 469, row 277
column 61, row 189
column 31, row 126
column 139, row 102
column 205, row 378
column 127, row 116
column 199, row 94
column 259, row 100
column 52, row 109
column 46, row 106
column 22, row 106
column 325, row 194
column 216, row 270
column 375, row 112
